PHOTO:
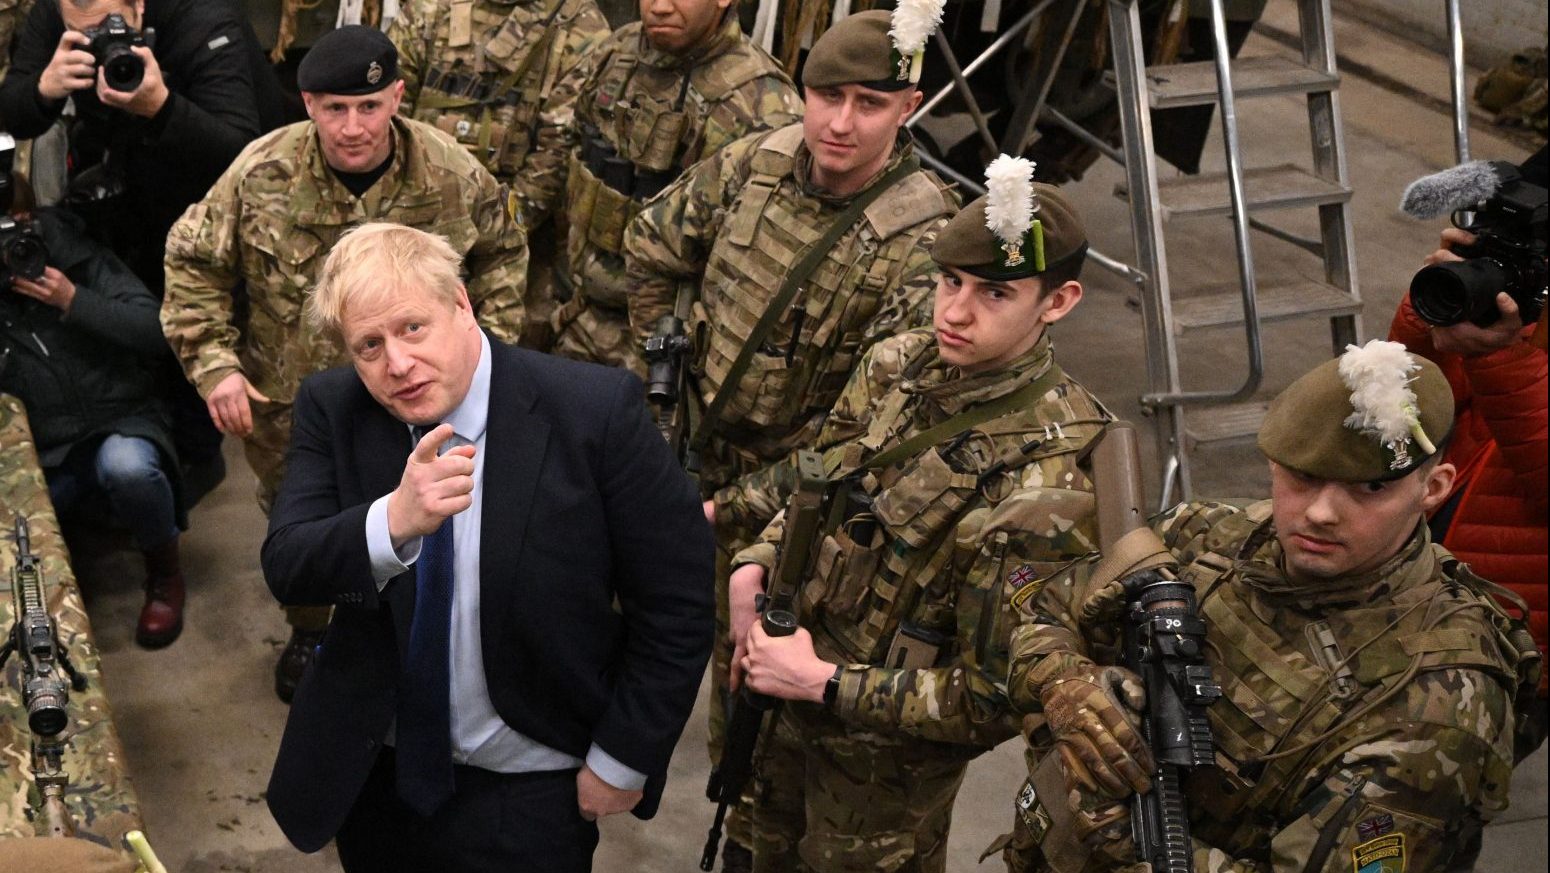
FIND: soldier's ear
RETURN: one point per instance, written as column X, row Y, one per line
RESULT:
column 1438, row 485
column 1060, row 301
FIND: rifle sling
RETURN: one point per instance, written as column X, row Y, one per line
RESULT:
column 799, row 274
column 967, row 419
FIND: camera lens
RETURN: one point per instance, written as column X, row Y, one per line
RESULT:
column 1453, row 292
column 25, row 256
column 122, row 69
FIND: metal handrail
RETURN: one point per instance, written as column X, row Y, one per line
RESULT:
column 1456, row 77
column 984, row 58
column 1240, row 214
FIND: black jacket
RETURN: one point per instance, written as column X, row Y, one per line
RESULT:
column 584, row 505
column 90, row 372
column 223, row 95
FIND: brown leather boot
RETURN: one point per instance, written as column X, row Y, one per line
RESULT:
column 161, row 618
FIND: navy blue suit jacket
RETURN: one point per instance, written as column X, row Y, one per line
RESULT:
column 596, row 564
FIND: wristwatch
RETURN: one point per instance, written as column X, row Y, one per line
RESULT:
column 831, row 689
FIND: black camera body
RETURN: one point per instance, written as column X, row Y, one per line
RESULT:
column 22, row 251
column 1508, row 255
column 111, row 43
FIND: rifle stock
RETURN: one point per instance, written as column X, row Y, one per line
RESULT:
column 804, row 514
column 1164, row 644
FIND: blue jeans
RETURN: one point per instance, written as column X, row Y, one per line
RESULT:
column 129, row 471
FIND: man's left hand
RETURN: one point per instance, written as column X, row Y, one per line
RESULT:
column 785, row 667
column 53, row 288
column 1470, row 340
column 597, row 798
column 144, row 101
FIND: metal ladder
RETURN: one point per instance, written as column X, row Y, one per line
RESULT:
column 1237, row 193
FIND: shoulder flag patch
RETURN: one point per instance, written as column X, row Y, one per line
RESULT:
column 1386, row 854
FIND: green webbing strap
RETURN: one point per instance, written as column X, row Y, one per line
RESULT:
column 967, row 419
column 788, row 290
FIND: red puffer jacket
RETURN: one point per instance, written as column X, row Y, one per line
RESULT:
column 1500, row 527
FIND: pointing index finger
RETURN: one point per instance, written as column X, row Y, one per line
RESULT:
column 425, row 449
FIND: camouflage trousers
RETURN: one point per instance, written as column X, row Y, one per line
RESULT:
column 265, row 450
column 829, row 798
column 588, row 331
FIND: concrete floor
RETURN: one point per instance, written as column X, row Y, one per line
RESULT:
column 200, row 723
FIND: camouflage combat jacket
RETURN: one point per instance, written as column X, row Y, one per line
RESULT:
column 270, row 221
column 951, row 533
column 741, row 219
column 1363, row 726
column 500, row 77
column 660, row 113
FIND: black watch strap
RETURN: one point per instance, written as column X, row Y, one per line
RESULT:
column 831, row 689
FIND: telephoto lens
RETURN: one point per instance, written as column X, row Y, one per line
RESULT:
column 1450, row 293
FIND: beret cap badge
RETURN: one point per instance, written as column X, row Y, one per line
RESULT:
column 374, row 73
column 1383, row 405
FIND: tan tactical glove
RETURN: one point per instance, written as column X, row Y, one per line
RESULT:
column 1091, row 711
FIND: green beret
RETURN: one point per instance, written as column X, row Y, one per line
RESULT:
column 349, row 61
column 857, row 51
column 1057, row 235
column 1307, row 428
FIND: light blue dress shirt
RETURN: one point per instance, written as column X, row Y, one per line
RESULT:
column 480, row 737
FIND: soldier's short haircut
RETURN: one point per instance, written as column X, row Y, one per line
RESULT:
column 376, row 262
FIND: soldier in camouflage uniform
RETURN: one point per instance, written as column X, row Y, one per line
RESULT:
column 269, row 222
column 732, row 230
column 956, row 457
column 501, row 76
column 1368, row 678
column 657, row 99
column 100, row 798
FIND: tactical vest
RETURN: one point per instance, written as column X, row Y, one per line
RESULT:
column 1277, row 698
column 644, row 125
column 807, row 358
column 881, row 590
column 487, row 94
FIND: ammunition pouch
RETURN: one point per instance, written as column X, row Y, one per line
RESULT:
column 499, row 132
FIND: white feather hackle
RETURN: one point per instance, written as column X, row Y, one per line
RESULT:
column 1378, row 375
column 913, row 23
column 1011, row 203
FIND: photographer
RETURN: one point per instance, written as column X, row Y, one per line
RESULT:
column 78, row 345
column 203, row 93
column 166, row 93
column 1495, row 518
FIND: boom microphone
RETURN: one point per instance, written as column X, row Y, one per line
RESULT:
column 1461, row 187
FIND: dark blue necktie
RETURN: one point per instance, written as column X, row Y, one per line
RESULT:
column 424, row 732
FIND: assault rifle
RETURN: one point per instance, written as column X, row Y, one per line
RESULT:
column 45, row 695
column 778, row 617
column 1164, row 644
column 666, row 381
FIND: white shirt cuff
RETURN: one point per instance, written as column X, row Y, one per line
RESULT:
column 608, row 769
column 386, row 562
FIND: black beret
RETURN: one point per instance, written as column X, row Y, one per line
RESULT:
column 351, row 60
